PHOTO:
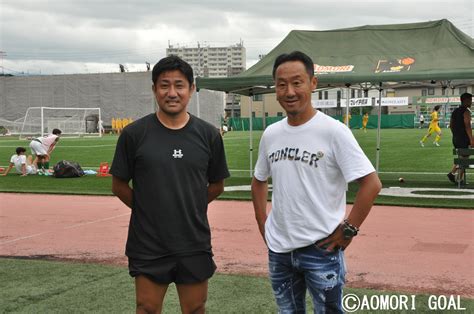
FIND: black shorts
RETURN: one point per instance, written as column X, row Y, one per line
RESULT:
column 461, row 142
column 178, row 269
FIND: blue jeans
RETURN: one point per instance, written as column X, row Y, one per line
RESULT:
column 312, row 268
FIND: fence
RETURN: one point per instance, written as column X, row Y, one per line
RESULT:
column 401, row 121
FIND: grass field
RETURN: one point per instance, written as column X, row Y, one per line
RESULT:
column 29, row 286
column 400, row 156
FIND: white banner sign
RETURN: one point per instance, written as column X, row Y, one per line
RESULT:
column 393, row 101
column 324, row 103
column 359, row 102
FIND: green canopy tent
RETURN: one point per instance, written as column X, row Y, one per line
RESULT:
column 375, row 54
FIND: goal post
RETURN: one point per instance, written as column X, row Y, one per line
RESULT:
column 73, row 122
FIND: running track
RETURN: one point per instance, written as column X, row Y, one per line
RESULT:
column 399, row 248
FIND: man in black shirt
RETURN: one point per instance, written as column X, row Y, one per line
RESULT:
column 460, row 125
column 177, row 165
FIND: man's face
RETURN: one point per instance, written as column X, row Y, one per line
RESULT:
column 469, row 102
column 293, row 87
column 172, row 92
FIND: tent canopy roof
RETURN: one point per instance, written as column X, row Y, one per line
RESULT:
column 434, row 50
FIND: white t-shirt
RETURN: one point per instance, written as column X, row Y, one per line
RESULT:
column 48, row 140
column 310, row 166
column 18, row 161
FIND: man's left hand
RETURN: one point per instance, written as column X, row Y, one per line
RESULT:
column 334, row 241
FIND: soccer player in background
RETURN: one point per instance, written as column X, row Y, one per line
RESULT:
column 433, row 127
column 22, row 164
column 365, row 120
column 42, row 147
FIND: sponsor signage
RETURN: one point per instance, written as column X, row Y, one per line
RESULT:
column 359, row 102
column 393, row 101
column 322, row 69
column 437, row 100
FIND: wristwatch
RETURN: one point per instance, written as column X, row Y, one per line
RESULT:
column 349, row 231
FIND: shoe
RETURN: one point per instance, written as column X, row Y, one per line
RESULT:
column 421, row 143
column 451, row 177
column 436, row 144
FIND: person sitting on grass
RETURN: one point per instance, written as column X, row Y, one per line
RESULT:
column 22, row 163
column 42, row 148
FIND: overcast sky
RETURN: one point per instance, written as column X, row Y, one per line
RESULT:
column 80, row 36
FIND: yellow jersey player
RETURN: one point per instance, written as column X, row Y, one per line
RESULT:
column 347, row 120
column 434, row 127
column 365, row 120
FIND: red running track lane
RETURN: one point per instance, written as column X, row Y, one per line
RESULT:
column 399, row 248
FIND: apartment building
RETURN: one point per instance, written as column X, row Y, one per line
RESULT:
column 208, row 61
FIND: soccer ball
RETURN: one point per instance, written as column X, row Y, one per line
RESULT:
column 401, row 180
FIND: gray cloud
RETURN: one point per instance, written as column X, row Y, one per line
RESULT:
column 60, row 33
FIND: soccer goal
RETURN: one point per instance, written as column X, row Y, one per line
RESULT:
column 73, row 122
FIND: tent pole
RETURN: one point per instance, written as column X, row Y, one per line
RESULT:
column 198, row 107
column 379, row 123
column 264, row 116
column 232, row 106
column 347, row 105
column 251, row 135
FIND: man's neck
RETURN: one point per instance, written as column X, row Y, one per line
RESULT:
column 174, row 122
column 301, row 118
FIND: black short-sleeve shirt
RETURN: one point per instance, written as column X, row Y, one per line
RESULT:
column 170, row 171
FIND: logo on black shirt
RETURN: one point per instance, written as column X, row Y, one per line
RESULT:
column 177, row 153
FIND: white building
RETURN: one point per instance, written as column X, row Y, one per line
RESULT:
column 208, row 61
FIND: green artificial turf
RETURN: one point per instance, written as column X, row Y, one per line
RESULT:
column 33, row 286
column 400, row 157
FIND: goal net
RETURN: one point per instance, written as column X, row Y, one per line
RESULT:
column 73, row 122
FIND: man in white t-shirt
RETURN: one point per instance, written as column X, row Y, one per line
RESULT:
column 311, row 158
column 22, row 164
column 42, row 147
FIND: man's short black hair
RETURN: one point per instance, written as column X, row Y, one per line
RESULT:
column 436, row 108
column 294, row 56
column 172, row 63
column 56, row 132
column 465, row 97
column 20, row 150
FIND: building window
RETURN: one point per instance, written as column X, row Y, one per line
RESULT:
column 338, row 95
column 320, row 95
column 431, row 91
column 424, row 92
column 326, row 94
column 352, row 93
column 257, row 97
column 462, row 90
column 266, row 114
column 253, row 114
column 443, row 91
column 279, row 114
column 359, row 93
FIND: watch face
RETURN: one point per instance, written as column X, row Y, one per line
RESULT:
column 348, row 233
